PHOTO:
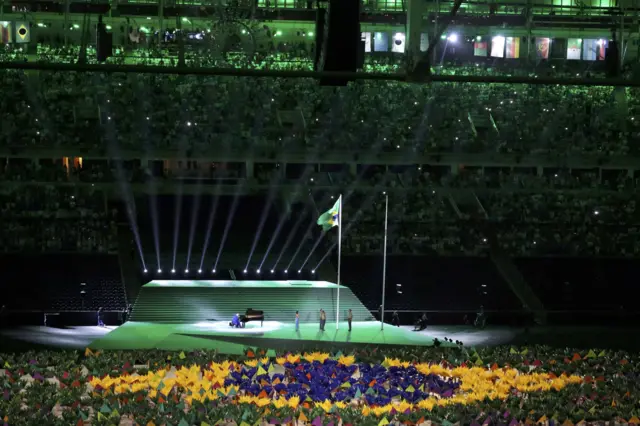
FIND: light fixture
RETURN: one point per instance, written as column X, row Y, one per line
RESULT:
column 173, row 271
column 145, row 271
column 159, row 271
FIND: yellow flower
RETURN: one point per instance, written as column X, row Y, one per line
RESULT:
column 403, row 406
column 280, row 403
column 245, row 399
column 427, row 404
column 137, row 387
column 293, row 402
column 251, row 362
column 293, row 359
column 262, row 402
column 264, row 360
column 366, row 411
column 379, row 411
column 326, row 405
column 316, row 356
column 281, row 360
column 347, row 360
column 341, row 405
column 394, row 362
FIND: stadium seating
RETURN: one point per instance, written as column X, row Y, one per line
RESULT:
column 62, row 282
column 436, row 210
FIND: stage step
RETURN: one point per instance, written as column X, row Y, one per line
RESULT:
column 195, row 301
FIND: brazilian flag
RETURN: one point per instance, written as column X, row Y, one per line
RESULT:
column 331, row 217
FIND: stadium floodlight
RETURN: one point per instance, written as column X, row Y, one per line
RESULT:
column 313, row 272
column 453, row 38
column 199, row 271
column 258, row 271
column 173, row 271
column 145, row 270
column 159, row 271
column 245, row 271
column 286, row 271
column 186, row 271
column 214, row 271
column 299, row 271
column 272, row 271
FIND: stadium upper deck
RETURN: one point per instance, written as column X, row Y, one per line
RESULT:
column 542, row 29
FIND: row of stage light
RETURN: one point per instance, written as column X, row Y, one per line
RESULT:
column 246, row 271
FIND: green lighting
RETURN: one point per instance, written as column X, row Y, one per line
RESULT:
column 108, row 27
column 443, row 36
column 41, row 25
column 278, row 33
column 310, row 33
column 478, row 38
column 76, row 26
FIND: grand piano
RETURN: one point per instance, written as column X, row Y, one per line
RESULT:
column 252, row 315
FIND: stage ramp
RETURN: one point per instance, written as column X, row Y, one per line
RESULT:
column 189, row 301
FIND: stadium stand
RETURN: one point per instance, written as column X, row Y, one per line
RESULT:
column 579, row 202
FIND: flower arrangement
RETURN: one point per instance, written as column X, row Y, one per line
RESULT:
column 376, row 386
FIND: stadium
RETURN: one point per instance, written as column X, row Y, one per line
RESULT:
column 253, row 212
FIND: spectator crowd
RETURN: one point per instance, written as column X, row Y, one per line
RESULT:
column 53, row 218
column 197, row 114
column 467, row 213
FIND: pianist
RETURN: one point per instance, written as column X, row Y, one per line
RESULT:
column 235, row 322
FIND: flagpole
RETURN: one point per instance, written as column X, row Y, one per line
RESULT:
column 384, row 257
column 340, row 222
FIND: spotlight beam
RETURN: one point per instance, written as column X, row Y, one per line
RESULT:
column 212, row 219
column 194, row 220
column 421, row 135
column 232, row 212
column 290, row 237
column 176, row 224
column 276, row 234
column 258, row 125
column 311, row 225
column 153, row 202
column 320, row 237
column 125, row 189
column 263, row 219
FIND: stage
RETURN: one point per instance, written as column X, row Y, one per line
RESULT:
column 271, row 335
column 184, row 315
column 137, row 335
